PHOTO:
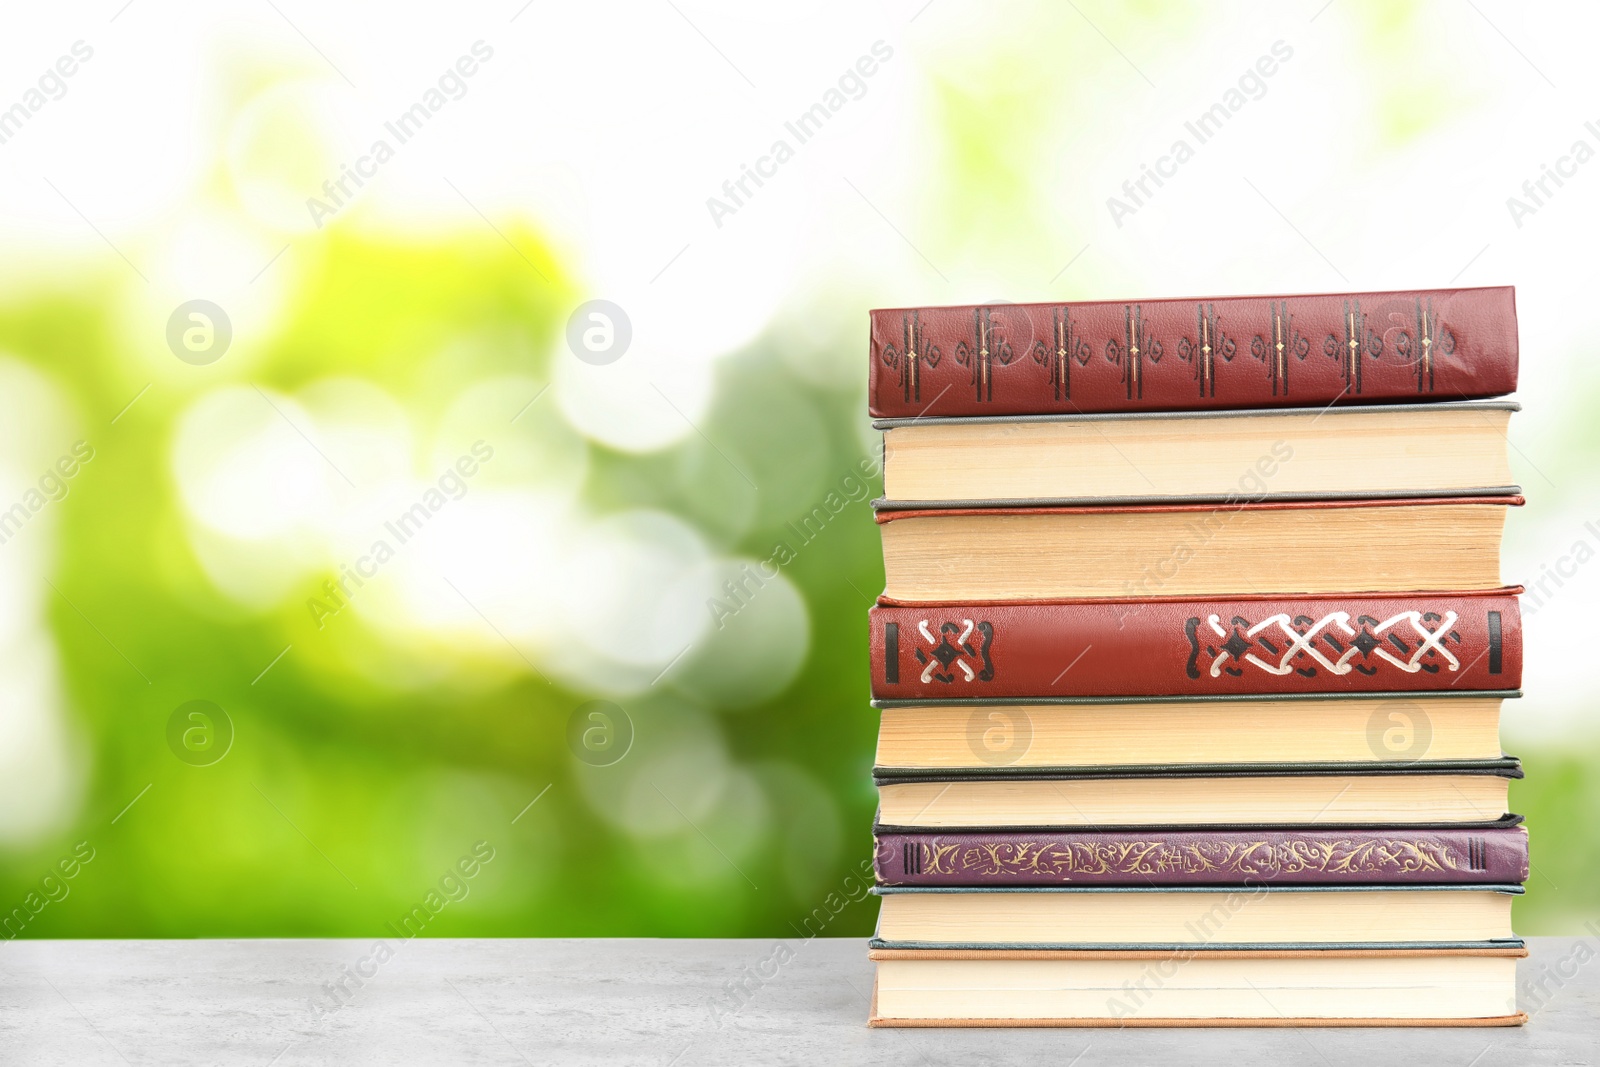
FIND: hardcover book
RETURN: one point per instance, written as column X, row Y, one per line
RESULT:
column 1446, row 725
column 1164, row 550
column 1190, row 661
column 1186, row 987
column 1202, row 918
column 1086, row 649
column 1391, row 450
column 1409, row 794
column 1202, row 855
column 1193, row 354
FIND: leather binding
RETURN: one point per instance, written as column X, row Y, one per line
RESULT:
column 988, row 653
column 1264, row 698
column 884, row 507
column 1193, row 857
column 885, row 510
column 1156, row 416
column 1193, row 354
column 1504, row 767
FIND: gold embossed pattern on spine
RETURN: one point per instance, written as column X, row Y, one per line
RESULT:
column 1260, row 859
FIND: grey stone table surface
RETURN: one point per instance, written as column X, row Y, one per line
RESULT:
column 660, row 1002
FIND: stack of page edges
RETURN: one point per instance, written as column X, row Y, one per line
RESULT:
column 1190, row 662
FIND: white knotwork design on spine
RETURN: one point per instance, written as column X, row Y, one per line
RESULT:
column 1301, row 643
column 933, row 662
column 953, row 647
column 1430, row 640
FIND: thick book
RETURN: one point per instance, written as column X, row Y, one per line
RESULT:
column 1200, row 856
column 1255, row 915
column 1111, row 549
column 1230, row 457
column 1416, row 793
column 1057, row 651
column 1193, row 354
column 1185, row 987
column 1288, row 729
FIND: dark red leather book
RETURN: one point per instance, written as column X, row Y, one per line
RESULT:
column 1481, row 855
column 1251, row 645
column 1192, row 354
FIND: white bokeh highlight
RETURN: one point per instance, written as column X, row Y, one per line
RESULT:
column 42, row 767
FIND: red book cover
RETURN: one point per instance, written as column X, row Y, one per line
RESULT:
column 1209, row 647
column 1193, row 856
column 1193, row 354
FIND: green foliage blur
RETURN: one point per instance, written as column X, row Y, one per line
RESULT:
column 342, row 803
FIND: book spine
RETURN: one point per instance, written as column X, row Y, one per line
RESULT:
column 982, row 859
column 1264, row 646
column 1174, row 355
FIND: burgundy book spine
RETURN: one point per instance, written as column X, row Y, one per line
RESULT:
column 1238, row 646
column 1193, row 354
column 1311, row 856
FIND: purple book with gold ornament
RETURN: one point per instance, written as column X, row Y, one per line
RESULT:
column 1489, row 853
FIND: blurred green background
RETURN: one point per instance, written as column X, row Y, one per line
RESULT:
column 381, row 747
column 378, row 736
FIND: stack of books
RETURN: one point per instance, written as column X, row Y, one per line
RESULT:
column 1190, row 661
